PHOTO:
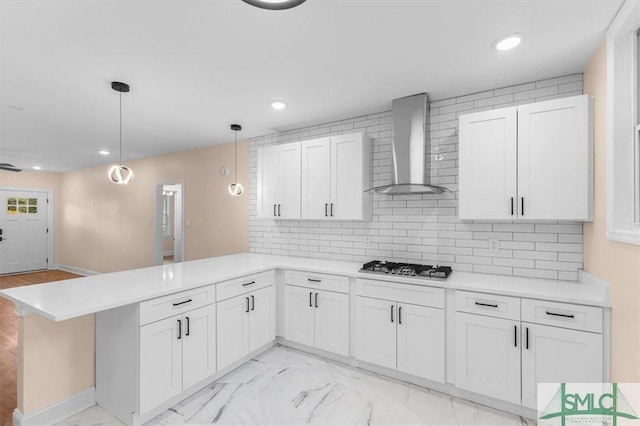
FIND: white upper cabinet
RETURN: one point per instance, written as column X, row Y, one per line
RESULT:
column 555, row 159
column 279, row 181
column 316, row 179
column 487, row 164
column 530, row 162
column 335, row 172
column 351, row 163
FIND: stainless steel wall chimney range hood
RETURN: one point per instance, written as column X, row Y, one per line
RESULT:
column 410, row 144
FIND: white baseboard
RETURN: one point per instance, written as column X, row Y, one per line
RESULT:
column 75, row 270
column 58, row 411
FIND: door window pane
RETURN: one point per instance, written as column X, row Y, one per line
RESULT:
column 33, row 209
column 22, row 201
column 33, row 201
column 22, row 209
column 12, row 209
column 12, row 201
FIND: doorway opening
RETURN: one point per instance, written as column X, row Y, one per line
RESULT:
column 169, row 244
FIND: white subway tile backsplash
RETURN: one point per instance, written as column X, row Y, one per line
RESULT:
column 425, row 228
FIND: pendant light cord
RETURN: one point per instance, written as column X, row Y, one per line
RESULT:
column 236, row 158
column 121, row 128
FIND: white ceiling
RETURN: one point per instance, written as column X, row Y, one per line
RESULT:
column 196, row 66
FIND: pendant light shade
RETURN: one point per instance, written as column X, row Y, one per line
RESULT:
column 235, row 188
column 120, row 174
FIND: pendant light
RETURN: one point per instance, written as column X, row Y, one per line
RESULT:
column 274, row 4
column 120, row 174
column 235, row 188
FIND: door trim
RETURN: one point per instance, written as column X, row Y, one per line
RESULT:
column 178, row 231
column 50, row 216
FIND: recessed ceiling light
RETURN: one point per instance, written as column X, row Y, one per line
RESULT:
column 508, row 42
column 103, row 152
column 274, row 4
column 278, row 105
column 37, row 168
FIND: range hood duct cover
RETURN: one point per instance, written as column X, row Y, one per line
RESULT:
column 410, row 143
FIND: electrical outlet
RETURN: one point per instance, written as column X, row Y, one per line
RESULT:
column 494, row 245
column 367, row 241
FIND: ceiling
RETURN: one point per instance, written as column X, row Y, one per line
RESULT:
column 197, row 66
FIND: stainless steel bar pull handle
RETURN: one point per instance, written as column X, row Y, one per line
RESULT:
column 515, row 336
column 310, row 302
column 179, row 329
column 331, row 210
column 182, row 303
column 511, row 206
column 399, row 314
column 274, row 209
column 316, row 300
column 391, row 313
column 249, row 283
column 314, row 280
column 188, row 327
column 522, row 205
column 527, row 339
column 247, row 304
column 279, row 205
column 253, row 303
column 326, row 207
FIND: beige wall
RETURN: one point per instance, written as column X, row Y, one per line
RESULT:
column 117, row 232
column 615, row 263
column 107, row 227
column 55, row 360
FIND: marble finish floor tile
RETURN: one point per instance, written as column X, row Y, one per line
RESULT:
column 287, row 387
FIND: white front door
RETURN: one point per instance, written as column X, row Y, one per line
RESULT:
column 23, row 221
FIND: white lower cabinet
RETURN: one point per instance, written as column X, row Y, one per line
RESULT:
column 504, row 352
column 558, row 355
column 402, row 336
column 175, row 354
column 245, row 323
column 488, row 356
column 160, row 363
column 317, row 318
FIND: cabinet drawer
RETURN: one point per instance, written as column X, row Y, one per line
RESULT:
column 578, row 317
column 237, row 286
column 405, row 293
column 320, row 281
column 488, row 304
column 174, row 304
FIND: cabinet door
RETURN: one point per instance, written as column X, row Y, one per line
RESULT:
column 198, row 345
column 488, row 356
column 421, row 343
column 316, row 178
column 376, row 331
column 289, row 181
column 299, row 315
column 332, row 322
column 233, row 330
column 268, row 182
column 558, row 355
column 555, row 159
column 487, row 164
column 346, row 177
column 160, row 362
column 262, row 317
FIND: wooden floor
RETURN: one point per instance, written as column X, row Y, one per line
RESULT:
column 9, row 337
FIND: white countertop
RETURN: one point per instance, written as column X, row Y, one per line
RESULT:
column 67, row 299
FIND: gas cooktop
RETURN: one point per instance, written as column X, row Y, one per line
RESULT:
column 406, row 269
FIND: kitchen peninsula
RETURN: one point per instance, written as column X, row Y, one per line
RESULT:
column 243, row 304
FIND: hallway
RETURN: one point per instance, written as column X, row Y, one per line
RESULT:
column 9, row 337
